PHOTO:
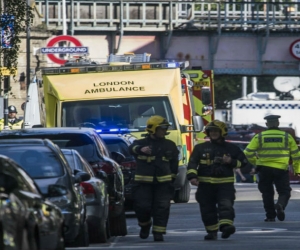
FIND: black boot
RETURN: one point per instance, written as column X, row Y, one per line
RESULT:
column 211, row 236
column 145, row 231
column 269, row 219
column 158, row 237
column 227, row 231
column 280, row 212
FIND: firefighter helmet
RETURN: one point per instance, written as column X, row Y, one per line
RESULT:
column 12, row 109
column 156, row 121
column 216, row 124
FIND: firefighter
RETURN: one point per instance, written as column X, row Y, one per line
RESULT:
column 157, row 167
column 13, row 121
column 270, row 152
column 211, row 169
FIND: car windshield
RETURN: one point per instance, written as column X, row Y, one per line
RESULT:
column 127, row 113
column 117, row 146
column 39, row 162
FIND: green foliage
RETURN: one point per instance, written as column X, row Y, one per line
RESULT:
column 228, row 88
column 19, row 9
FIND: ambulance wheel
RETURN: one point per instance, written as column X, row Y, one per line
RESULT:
column 183, row 195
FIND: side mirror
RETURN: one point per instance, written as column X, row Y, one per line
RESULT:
column 82, row 176
column 206, row 95
column 7, row 183
column 101, row 175
column 56, row 190
column 198, row 124
column 118, row 157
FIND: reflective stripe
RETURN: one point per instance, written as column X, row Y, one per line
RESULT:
column 238, row 164
column 274, row 149
column 142, row 224
column 294, row 151
column 164, row 178
column 144, row 157
column 250, row 155
column 143, row 178
column 273, row 155
column 259, row 141
column 212, row 227
column 192, row 171
column 150, row 158
column 225, row 221
column 165, row 159
column 215, row 180
column 174, row 175
column 134, row 149
column 206, row 162
column 159, row 229
column 286, row 140
column 250, row 150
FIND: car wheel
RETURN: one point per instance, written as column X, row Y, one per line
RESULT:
column 82, row 239
column 118, row 226
column 183, row 195
column 98, row 233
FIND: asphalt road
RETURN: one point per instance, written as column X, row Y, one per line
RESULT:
column 186, row 231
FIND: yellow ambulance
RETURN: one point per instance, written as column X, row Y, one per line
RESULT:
column 120, row 97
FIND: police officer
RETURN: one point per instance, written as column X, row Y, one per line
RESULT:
column 157, row 167
column 270, row 152
column 211, row 168
column 13, row 121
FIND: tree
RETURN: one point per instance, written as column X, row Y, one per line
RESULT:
column 16, row 17
column 228, row 88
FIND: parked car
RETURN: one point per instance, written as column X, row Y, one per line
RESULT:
column 91, row 147
column 96, row 197
column 27, row 219
column 46, row 164
column 120, row 143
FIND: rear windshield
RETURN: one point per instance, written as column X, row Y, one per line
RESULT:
column 39, row 162
column 82, row 143
column 117, row 146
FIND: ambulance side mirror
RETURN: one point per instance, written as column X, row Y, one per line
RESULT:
column 198, row 123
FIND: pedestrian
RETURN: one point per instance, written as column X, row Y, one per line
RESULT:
column 270, row 152
column 157, row 167
column 211, row 169
column 13, row 121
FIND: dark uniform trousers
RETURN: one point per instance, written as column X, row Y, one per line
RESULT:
column 267, row 177
column 208, row 195
column 153, row 200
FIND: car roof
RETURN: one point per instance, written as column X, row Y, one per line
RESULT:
column 25, row 141
column 30, row 131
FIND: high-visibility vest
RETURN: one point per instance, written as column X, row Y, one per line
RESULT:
column 273, row 148
column 17, row 125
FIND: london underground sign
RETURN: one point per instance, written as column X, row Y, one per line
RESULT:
column 51, row 50
column 295, row 49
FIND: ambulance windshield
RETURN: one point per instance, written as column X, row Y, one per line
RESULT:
column 126, row 113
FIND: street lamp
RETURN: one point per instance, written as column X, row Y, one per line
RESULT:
column 27, row 46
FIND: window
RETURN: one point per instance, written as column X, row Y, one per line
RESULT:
column 131, row 113
column 37, row 161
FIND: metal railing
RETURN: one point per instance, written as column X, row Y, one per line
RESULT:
column 156, row 15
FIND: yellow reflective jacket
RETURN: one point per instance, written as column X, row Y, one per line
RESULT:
column 16, row 125
column 273, row 148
